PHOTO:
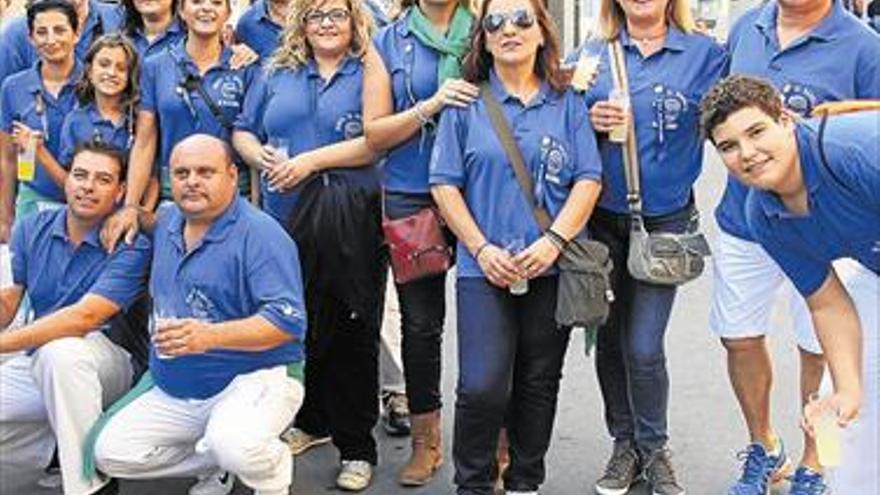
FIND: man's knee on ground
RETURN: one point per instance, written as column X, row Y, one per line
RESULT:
column 117, row 456
column 244, row 450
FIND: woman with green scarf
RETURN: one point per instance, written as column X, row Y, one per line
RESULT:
column 411, row 76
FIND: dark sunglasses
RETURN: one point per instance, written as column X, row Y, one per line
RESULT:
column 521, row 18
column 336, row 16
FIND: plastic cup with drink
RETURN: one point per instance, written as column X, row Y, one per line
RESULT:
column 27, row 167
column 821, row 414
column 281, row 150
column 162, row 320
column 620, row 98
column 514, row 245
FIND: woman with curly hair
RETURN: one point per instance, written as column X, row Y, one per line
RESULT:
column 302, row 129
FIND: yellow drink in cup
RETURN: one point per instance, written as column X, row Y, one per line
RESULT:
column 619, row 133
column 27, row 167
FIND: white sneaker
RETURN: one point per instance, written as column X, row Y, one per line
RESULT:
column 354, row 475
column 51, row 479
column 217, row 483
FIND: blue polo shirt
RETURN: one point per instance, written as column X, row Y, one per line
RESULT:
column 56, row 274
column 665, row 92
column 309, row 112
column 170, row 37
column 554, row 134
column 245, row 265
column 17, row 53
column 23, row 98
column 257, row 30
column 412, row 66
column 181, row 113
column 838, row 60
column 843, row 198
column 85, row 124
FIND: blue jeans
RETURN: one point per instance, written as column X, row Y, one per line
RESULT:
column 630, row 357
column 510, row 354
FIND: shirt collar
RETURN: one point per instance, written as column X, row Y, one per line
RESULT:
column 827, row 30
column 675, row 40
column 348, row 67
column 219, row 230
column 58, row 229
column 807, row 146
column 179, row 53
column 262, row 7
column 503, row 96
column 34, row 83
column 402, row 24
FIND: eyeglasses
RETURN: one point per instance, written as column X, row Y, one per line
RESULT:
column 336, row 16
column 521, row 18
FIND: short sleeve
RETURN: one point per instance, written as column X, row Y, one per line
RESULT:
column 805, row 270
column 7, row 106
column 447, row 158
column 68, row 140
column 274, row 279
column 15, row 55
column 868, row 73
column 18, row 251
column 586, row 160
column 124, row 277
column 251, row 117
column 148, row 85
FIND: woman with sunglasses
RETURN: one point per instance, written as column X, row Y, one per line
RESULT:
column 302, row 129
column 411, row 76
column 152, row 25
column 510, row 347
column 192, row 86
column 669, row 68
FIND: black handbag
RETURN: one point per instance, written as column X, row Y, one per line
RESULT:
column 584, row 292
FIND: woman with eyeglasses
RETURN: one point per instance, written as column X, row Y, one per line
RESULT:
column 413, row 73
column 510, row 347
column 669, row 67
column 33, row 104
column 302, row 129
column 190, row 87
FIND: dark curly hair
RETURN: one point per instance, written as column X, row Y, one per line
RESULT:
column 478, row 60
column 734, row 93
column 85, row 90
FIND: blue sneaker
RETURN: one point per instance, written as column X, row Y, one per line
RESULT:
column 759, row 470
column 808, row 482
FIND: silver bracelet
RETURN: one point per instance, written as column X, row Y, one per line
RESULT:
column 420, row 114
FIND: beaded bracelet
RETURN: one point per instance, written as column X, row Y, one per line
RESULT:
column 557, row 240
column 480, row 250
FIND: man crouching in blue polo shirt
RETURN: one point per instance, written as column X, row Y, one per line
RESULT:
column 226, row 357
column 74, row 364
column 814, row 200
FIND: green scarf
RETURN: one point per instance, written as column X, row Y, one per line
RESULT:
column 452, row 46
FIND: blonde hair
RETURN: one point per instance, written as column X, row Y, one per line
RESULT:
column 294, row 50
column 612, row 18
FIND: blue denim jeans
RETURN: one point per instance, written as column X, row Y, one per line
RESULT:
column 630, row 357
column 510, row 354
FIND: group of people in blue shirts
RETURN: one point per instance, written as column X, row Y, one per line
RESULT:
column 334, row 127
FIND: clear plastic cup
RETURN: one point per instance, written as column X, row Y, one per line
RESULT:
column 514, row 245
column 281, row 150
column 621, row 99
column 27, row 167
column 823, row 417
column 160, row 322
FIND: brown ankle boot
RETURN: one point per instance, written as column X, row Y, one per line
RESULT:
column 427, row 450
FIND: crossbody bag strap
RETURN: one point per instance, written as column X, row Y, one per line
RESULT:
column 194, row 81
column 514, row 155
column 630, row 148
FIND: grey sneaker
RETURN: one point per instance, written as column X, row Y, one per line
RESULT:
column 660, row 474
column 621, row 471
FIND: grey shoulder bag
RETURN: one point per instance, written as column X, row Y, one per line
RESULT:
column 584, row 292
column 655, row 257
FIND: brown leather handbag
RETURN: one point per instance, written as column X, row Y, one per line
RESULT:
column 417, row 245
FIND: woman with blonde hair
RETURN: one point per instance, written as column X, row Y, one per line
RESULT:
column 302, row 129
column 668, row 67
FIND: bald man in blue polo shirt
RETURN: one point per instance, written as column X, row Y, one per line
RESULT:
column 814, row 199
column 80, row 347
column 227, row 355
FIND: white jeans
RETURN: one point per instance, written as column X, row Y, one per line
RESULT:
column 237, row 430
column 55, row 395
column 859, row 473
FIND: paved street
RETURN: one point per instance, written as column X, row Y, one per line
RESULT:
column 705, row 424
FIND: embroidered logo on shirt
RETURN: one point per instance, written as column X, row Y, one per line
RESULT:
column 553, row 160
column 799, row 98
column 200, row 305
column 669, row 105
column 229, row 90
column 350, row 125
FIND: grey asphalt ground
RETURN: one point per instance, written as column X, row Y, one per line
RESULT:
column 706, row 430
